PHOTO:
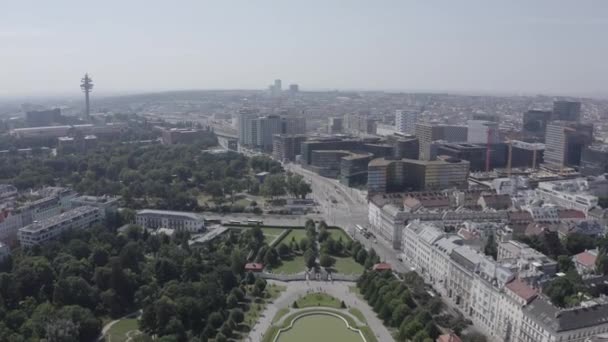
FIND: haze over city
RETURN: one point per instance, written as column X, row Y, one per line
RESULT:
column 511, row 47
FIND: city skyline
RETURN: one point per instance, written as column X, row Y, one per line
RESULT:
column 548, row 47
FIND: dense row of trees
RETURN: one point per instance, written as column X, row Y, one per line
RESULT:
column 61, row 291
column 403, row 305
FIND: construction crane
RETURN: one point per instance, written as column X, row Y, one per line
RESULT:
column 488, row 147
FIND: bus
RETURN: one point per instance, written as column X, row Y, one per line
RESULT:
column 253, row 222
column 234, row 222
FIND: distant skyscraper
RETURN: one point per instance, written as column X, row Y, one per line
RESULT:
column 535, row 125
column 335, row 125
column 566, row 111
column 594, row 161
column 565, row 141
column 278, row 86
column 478, row 131
column 405, row 121
column 294, row 88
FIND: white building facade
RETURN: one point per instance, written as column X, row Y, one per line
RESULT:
column 177, row 220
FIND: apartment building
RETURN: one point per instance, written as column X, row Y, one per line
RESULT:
column 177, row 220
column 39, row 232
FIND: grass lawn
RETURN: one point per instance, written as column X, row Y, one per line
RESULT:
column 336, row 234
column 296, row 234
column 271, row 233
column 291, row 266
column 347, row 265
column 118, row 332
column 319, row 328
column 282, row 312
column 318, row 299
column 355, row 312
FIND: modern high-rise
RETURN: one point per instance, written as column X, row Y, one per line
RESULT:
column 405, row 121
column 429, row 132
column 358, row 124
column 535, row 125
column 335, row 125
column 257, row 132
column 294, row 88
column 566, row 111
column 480, row 130
column 525, row 154
column 285, row 147
column 594, row 161
column 278, row 87
column 404, row 146
column 565, row 141
column 293, row 125
column 395, row 175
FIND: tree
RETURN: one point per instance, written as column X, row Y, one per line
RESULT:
column 237, row 315
column 409, row 329
column 491, row 247
column 558, row 290
column 260, row 284
column 601, row 262
column 232, row 301
column 361, row 256
column 326, row 260
column 577, row 243
column 274, row 185
column 284, row 250
column 271, row 257
column 565, row 263
column 303, row 244
column 310, row 258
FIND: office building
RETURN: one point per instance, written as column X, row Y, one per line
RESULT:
column 335, row 125
column 481, row 131
column 285, row 147
column 39, row 232
column 177, row 220
column 294, row 88
column 405, row 121
column 526, row 154
column 404, row 146
column 353, row 169
column 566, row 111
column 395, row 175
column 278, row 87
column 429, row 132
column 371, row 145
column 38, row 118
column 107, row 205
column 358, row 124
column 565, row 141
column 172, row 136
column 475, row 154
column 535, row 125
column 109, row 130
column 293, row 125
column 594, row 160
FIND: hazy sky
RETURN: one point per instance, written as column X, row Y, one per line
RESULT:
column 528, row 46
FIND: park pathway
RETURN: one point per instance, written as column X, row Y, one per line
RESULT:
column 297, row 289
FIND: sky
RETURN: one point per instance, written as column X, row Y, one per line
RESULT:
column 554, row 47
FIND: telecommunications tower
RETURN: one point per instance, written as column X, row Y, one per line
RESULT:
column 87, row 86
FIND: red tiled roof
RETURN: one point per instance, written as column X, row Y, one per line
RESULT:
column 448, row 338
column 570, row 214
column 254, row 266
column 586, row 259
column 523, row 290
column 382, row 267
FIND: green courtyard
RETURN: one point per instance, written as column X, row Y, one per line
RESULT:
column 319, row 328
column 318, row 317
column 123, row 330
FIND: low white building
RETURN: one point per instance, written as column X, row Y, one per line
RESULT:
column 106, row 204
column 42, row 231
column 572, row 194
column 177, row 220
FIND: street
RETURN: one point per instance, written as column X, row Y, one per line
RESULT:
column 346, row 207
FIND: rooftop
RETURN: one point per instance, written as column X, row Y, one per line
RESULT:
column 521, row 289
column 554, row 319
column 192, row 216
column 51, row 221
